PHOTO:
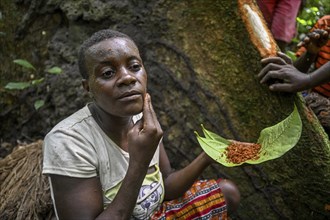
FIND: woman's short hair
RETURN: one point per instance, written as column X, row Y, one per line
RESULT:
column 94, row 39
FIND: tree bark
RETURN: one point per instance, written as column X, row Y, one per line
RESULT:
column 202, row 66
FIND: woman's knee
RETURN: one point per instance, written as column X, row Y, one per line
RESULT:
column 231, row 193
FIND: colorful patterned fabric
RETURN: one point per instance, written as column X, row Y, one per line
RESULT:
column 323, row 56
column 204, row 200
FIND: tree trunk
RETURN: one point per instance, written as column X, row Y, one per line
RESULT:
column 202, row 67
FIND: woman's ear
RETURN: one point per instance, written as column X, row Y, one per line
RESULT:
column 85, row 84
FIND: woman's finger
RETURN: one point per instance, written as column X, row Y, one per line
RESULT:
column 266, row 69
column 285, row 57
column 150, row 120
column 147, row 116
column 276, row 60
column 154, row 116
column 281, row 87
column 273, row 75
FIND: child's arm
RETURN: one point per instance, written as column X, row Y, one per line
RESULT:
column 313, row 43
column 281, row 76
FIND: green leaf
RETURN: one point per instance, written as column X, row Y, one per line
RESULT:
column 55, row 70
column 211, row 135
column 37, row 81
column 314, row 9
column 17, row 85
column 215, row 149
column 38, row 104
column 280, row 138
column 275, row 141
column 301, row 21
column 24, row 63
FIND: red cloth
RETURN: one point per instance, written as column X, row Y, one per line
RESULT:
column 280, row 16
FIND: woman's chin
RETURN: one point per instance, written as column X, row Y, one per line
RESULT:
column 133, row 111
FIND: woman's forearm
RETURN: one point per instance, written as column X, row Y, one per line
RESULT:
column 178, row 182
column 123, row 204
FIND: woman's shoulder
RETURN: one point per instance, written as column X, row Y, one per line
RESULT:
column 75, row 120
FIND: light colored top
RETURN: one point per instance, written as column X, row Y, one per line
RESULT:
column 78, row 147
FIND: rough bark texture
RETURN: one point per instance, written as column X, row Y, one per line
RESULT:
column 202, row 69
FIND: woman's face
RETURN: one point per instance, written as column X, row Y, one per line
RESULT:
column 117, row 78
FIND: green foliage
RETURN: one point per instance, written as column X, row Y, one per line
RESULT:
column 213, row 136
column 307, row 19
column 17, row 85
column 37, row 81
column 275, row 141
column 280, row 138
column 55, row 70
column 24, row 63
column 311, row 11
column 38, row 104
column 24, row 85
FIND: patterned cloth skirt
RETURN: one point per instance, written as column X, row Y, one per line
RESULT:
column 204, row 200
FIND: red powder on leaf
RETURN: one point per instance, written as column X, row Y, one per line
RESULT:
column 239, row 152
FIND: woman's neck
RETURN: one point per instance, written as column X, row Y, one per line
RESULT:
column 115, row 127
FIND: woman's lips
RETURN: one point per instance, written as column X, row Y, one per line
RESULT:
column 130, row 96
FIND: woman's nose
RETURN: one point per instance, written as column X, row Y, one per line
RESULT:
column 126, row 77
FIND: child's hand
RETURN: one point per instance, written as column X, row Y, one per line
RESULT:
column 144, row 137
column 315, row 40
column 280, row 59
column 281, row 76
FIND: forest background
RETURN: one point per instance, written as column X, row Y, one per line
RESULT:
column 40, row 85
column 27, row 74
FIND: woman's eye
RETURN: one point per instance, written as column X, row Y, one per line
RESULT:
column 108, row 74
column 136, row 67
